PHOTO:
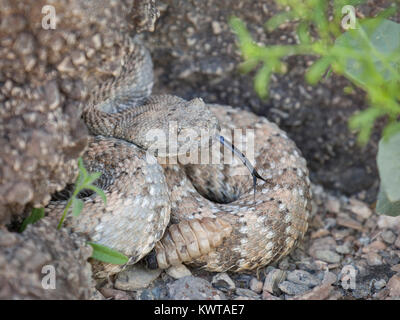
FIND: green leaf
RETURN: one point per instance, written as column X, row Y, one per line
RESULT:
column 385, row 206
column 82, row 169
column 106, row 254
column 382, row 45
column 364, row 121
column 77, row 206
column 99, row 192
column 248, row 65
column 36, row 215
column 317, row 70
column 277, row 20
column 388, row 160
column 92, row 177
column 261, row 81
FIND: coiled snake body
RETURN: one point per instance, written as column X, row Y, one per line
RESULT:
column 204, row 214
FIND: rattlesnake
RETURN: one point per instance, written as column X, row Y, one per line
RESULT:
column 203, row 214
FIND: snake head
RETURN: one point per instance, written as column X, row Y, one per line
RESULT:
column 183, row 131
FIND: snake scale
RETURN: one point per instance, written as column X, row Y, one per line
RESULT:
column 203, row 214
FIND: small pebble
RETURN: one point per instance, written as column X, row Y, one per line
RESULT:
column 293, row 289
column 256, row 285
column 303, row 277
column 388, row 236
column 360, row 208
column 393, row 286
column 193, row 288
column 247, row 293
column 374, row 259
column 272, row 280
column 223, row 282
column 136, row 277
column 380, row 284
column 178, row 271
column 327, row 256
column 344, row 248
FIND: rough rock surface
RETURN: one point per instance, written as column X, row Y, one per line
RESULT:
column 24, row 257
column 44, row 75
column 194, row 54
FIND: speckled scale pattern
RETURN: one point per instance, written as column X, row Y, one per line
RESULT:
column 138, row 206
column 264, row 230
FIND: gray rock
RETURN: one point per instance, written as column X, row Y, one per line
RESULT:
column 247, row 293
column 272, row 280
column 303, row 277
column 378, row 285
column 223, row 282
column 29, row 260
column 327, row 256
column 360, row 208
column 344, row 248
column 136, row 277
column 388, row 236
column 193, row 288
column 256, row 285
column 374, row 259
column 293, row 289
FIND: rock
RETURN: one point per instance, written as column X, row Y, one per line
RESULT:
column 393, row 286
column 247, row 293
column 303, row 277
column 243, row 280
column 332, row 205
column 267, row 296
column 380, row 284
column 360, row 208
column 223, row 282
column 293, row 289
column 374, row 259
column 272, row 280
column 388, row 222
column 178, row 271
column 349, row 223
column 156, row 293
column 375, row 246
column 96, row 295
column 397, row 242
column 110, row 293
column 193, row 288
column 388, row 236
column 395, row 268
column 327, row 243
column 327, row 256
column 256, row 285
column 320, row 233
column 320, row 292
column 136, row 277
column 44, row 263
column 344, row 248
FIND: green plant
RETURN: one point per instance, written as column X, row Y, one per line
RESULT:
column 369, row 56
column 84, row 181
